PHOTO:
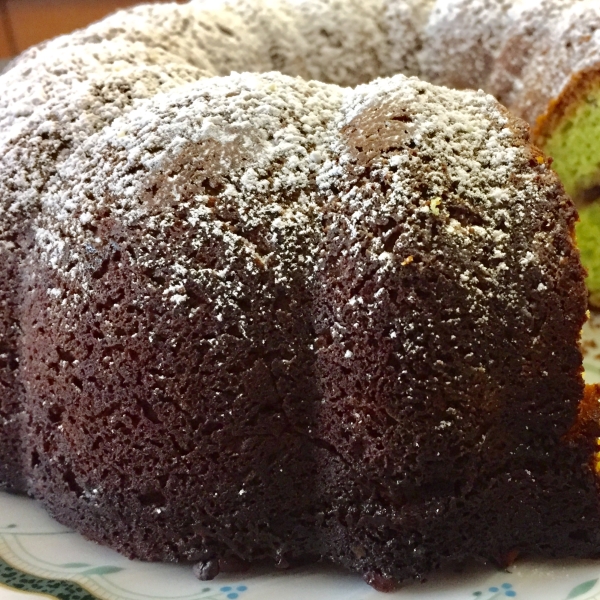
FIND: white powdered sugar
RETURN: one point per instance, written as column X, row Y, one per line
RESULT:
column 151, row 123
column 266, row 138
column 466, row 145
column 56, row 95
column 461, row 39
column 524, row 52
column 52, row 102
column 274, row 157
column 569, row 31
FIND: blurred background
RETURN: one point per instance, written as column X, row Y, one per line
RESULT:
column 27, row 22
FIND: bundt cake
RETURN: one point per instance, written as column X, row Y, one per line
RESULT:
column 259, row 304
column 541, row 59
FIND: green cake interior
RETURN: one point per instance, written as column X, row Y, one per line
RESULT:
column 588, row 239
column 575, row 147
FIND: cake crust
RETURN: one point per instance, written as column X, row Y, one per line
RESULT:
column 256, row 316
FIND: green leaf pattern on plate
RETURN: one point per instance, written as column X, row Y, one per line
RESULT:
column 29, row 563
column 79, row 580
column 581, row 589
column 104, row 570
column 24, row 582
column 69, row 590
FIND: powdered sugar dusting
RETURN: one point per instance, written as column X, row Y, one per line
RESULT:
column 462, row 38
column 266, row 138
column 275, row 156
column 201, row 260
column 56, row 95
column 137, row 140
column 569, row 31
column 470, row 155
column 54, row 101
column 504, row 47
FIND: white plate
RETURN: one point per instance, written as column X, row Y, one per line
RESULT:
column 43, row 559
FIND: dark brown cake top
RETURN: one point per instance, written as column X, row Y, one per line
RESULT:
column 284, row 162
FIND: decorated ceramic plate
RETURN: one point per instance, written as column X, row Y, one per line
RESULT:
column 41, row 559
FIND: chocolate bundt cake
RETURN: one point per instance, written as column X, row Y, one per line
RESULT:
column 541, row 59
column 273, row 316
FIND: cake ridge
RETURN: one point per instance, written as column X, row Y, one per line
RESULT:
column 262, row 297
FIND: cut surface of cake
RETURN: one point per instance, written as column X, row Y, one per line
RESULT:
column 572, row 137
